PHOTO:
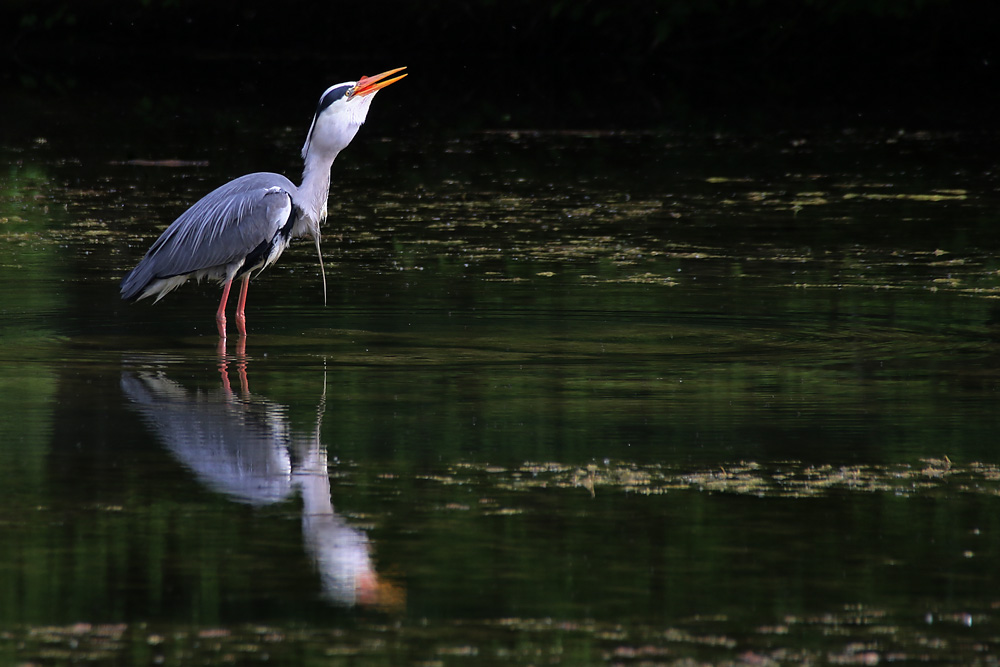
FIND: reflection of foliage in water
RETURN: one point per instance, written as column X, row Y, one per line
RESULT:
column 29, row 277
column 29, row 260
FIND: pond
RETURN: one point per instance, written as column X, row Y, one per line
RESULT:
column 627, row 398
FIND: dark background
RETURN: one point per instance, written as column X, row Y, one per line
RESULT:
column 613, row 64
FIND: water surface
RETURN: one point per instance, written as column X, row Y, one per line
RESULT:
column 576, row 398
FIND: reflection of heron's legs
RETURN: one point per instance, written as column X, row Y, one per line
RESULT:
column 241, row 366
column 224, row 371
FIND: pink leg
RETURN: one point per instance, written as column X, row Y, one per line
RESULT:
column 241, row 318
column 220, row 314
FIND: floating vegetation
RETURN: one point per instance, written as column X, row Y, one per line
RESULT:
column 659, row 224
column 851, row 634
column 939, row 196
column 773, row 480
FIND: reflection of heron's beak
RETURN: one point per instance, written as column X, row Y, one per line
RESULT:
column 380, row 593
column 369, row 84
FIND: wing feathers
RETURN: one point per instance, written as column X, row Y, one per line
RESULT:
column 214, row 237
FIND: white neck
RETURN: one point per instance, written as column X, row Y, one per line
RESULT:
column 332, row 130
column 314, row 193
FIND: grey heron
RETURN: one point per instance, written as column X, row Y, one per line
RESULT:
column 243, row 226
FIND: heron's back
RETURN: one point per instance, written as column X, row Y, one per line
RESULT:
column 214, row 237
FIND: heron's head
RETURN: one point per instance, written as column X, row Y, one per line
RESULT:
column 342, row 109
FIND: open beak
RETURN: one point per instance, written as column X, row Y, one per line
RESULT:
column 369, row 84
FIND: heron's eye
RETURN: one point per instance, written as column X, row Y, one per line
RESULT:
column 349, row 94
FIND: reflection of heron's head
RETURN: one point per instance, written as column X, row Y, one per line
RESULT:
column 342, row 555
column 383, row 594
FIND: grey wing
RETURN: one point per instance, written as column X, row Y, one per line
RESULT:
column 214, row 236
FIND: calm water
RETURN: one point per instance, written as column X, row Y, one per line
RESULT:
column 575, row 399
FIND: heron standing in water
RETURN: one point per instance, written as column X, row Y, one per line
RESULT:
column 245, row 225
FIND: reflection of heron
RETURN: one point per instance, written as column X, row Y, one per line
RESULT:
column 245, row 225
column 244, row 448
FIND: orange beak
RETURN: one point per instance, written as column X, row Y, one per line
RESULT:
column 369, row 84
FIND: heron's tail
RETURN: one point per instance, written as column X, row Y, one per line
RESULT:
column 134, row 283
